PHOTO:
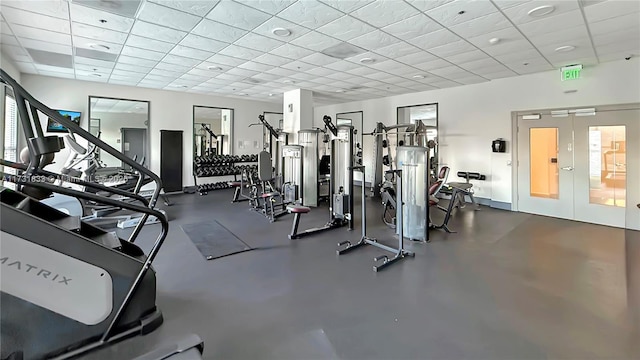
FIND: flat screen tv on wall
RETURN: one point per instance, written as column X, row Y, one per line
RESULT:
column 53, row 126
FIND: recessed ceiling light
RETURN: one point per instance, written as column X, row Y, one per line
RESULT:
column 541, row 11
column 243, row 94
column 340, row 91
column 214, row 68
column 287, row 81
column 281, row 32
column 565, row 48
column 99, row 46
column 494, row 41
column 270, row 94
column 418, row 76
column 367, row 60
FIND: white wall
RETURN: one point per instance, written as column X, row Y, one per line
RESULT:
column 169, row 110
column 471, row 116
column 10, row 68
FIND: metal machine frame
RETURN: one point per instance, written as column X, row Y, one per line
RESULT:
column 400, row 252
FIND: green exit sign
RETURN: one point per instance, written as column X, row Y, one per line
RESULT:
column 570, row 72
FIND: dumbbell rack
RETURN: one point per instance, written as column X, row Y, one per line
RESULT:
column 217, row 166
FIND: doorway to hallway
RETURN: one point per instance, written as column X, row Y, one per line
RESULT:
column 580, row 164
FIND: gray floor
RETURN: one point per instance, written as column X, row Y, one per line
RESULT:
column 506, row 286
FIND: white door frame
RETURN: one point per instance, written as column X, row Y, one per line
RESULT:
column 514, row 137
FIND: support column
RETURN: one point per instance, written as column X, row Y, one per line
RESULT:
column 298, row 112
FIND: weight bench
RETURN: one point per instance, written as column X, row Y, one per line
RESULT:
column 297, row 211
column 270, row 202
column 237, row 192
column 464, row 189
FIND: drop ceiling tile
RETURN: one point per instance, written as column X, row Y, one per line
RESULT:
column 194, row 78
column 434, row 39
column 369, row 55
column 616, row 24
column 447, row 72
column 56, row 9
column 162, row 15
column 433, row 64
column 92, row 69
column 505, row 4
column 627, row 34
column 426, row 5
column 416, row 58
column 258, row 42
column 553, row 24
column 84, row 43
column 310, row 13
column 8, row 40
column 201, row 72
column 291, row 51
column 302, row 76
column 315, row 41
column 27, row 32
column 508, row 47
column 506, row 35
column 136, row 61
column 499, row 74
column 56, row 74
column 281, row 72
column 238, row 15
column 157, row 32
column 519, row 14
column 397, row 50
column 226, row 60
column 142, row 53
column 269, row 6
column 97, row 33
column 383, row 13
column 176, row 68
column 232, row 77
column 346, row 28
column 445, row 84
column 373, row 40
column 240, row 52
column 616, row 56
column 408, row 84
column 267, row 77
column 471, row 80
column 453, row 48
column 477, row 65
column 273, row 60
column 255, row 66
column 298, row 66
column 403, row 70
column 412, row 27
column 343, row 65
column 41, row 67
column 181, row 60
column 149, row 44
column 46, row 46
column 21, row 17
column 517, row 56
column 629, row 46
column 132, row 68
column 347, row 6
column 448, row 14
column 318, row 59
column 560, row 36
column 533, row 65
column 611, row 9
column 94, row 62
column 155, row 74
column 482, row 25
column 467, row 57
column 189, row 52
column 266, row 29
column 579, row 44
column 218, row 31
column 380, row 76
column 92, row 17
column 195, row 7
column 92, row 78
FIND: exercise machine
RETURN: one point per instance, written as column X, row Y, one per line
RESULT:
column 69, row 287
column 399, row 253
column 341, row 186
column 459, row 190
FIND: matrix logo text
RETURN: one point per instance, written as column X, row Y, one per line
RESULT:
column 34, row 270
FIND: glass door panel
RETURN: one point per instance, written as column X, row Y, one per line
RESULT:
column 543, row 162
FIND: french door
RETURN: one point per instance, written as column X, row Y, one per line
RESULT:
column 581, row 165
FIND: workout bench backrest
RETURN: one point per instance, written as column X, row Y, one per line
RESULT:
column 265, row 172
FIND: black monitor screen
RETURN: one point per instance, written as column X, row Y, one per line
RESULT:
column 53, row 126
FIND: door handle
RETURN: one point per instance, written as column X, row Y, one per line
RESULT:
column 568, row 168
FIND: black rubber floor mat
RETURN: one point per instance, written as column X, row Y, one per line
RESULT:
column 214, row 240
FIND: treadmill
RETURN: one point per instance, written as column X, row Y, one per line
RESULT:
column 68, row 287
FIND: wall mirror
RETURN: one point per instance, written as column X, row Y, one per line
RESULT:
column 123, row 124
column 427, row 115
column 212, row 131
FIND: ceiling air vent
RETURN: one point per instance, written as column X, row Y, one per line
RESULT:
column 343, row 51
column 51, row 58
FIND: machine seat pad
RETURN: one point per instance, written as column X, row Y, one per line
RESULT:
column 269, row 194
column 234, row 183
column 460, row 185
column 298, row 209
